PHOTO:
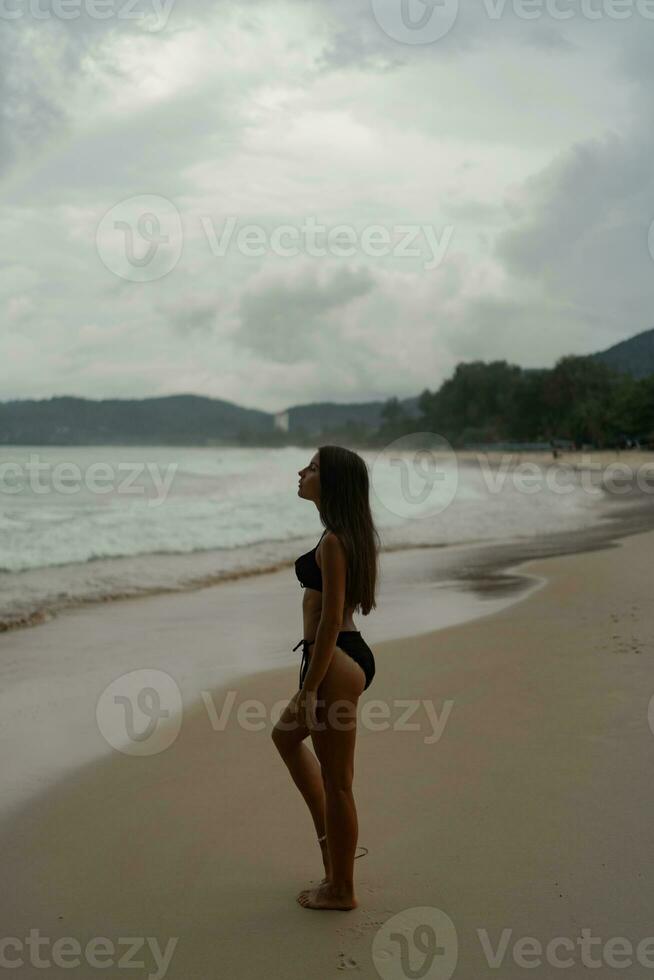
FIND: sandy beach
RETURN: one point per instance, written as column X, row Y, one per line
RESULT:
column 503, row 783
column 309, row 309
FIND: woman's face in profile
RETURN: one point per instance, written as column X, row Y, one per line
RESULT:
column 309, row 486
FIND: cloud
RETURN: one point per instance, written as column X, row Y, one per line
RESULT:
column 30, row 113
column 190, row 314
column 530, row 138
column 288, row 317
column 581, row 234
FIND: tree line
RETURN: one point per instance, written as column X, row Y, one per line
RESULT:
column 579, row 400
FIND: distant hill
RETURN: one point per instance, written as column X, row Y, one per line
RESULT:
column 192, row 420
column 315, row 417
column 175, row 420
column 634, row 356
column 181, row 420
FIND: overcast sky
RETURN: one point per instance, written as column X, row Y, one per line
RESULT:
column 492, row 164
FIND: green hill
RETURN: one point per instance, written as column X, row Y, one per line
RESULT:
column 634, row 356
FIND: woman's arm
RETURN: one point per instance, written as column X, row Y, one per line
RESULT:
column 334, row 573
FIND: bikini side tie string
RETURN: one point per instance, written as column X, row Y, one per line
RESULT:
column 360, row 847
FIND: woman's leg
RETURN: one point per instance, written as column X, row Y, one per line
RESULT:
column 288, row 734
column 334, row 742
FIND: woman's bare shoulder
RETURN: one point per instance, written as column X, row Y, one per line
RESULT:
column 332, row 544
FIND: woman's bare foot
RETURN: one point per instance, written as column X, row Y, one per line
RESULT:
column 327, row 863
column 327, row 897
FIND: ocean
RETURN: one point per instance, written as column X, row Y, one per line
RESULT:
column 82, row 524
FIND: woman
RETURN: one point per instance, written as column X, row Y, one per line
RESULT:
column 339, row 575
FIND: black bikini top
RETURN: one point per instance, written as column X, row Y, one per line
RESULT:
column 307, row 571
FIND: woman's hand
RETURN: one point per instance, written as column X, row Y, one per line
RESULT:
column 306, row 707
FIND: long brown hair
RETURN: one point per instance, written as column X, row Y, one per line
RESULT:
column 345, row 510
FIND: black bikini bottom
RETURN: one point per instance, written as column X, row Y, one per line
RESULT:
column 352, row 643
